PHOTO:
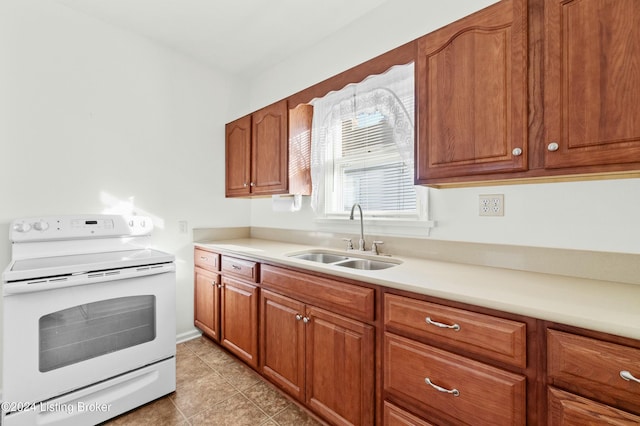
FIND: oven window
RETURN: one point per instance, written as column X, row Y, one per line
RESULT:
column 87, row 331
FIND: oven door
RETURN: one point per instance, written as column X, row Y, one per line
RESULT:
column 60, row 340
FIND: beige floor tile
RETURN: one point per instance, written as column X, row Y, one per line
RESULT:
column 198, row 395
column 214, row 388
column 240, row 376
column 270, row 400
column 295, row 416
column 190, row 367
column 235, row 411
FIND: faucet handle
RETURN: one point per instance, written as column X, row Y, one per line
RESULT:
column 374, row 246
column 349, row 243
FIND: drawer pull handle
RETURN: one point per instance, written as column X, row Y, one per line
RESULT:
column 236, row 267
column 454, row 327
column 454, row 392
column 628, row 376
column 204, row 258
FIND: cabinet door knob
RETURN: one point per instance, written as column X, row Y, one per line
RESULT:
column 455, row 327
column 628, row 376
column 244, row 185
column 517, row 152
column 454, row 392
column 306, row 320
column 252, row 184
column 553, row 146
column 298, row 317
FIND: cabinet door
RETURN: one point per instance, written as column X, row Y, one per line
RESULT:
column 592, row 82
column 269, row 142
column 206, row 303
column 239, row 316
column 472, row 84
column 238, row 157
column 340, row 368
column 282, row 334
column 566, row 409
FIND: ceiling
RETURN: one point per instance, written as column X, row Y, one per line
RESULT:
column 237, row 36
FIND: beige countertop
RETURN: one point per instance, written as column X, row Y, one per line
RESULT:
column 610, row 307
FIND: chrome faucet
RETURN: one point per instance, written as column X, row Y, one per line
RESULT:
column 361, row 242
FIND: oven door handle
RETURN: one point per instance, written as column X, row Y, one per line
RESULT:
column 87, row 278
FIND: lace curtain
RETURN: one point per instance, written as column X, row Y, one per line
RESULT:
column 390, row 94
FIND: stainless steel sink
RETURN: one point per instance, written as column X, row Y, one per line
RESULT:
column 346, row 260
column 366, row 264
column 320, row 257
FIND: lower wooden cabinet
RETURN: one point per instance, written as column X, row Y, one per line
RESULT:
column 207, row 302
column 282, row 352
column 315, row 338
column 452, row 387
column 566, row 409
column 395, row 416
column 239, row 319
column 321, row 358
column 597, row 381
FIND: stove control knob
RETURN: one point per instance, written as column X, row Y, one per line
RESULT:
column 22, row 227
column 41, row 226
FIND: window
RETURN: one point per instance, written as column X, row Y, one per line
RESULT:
column 362, row 149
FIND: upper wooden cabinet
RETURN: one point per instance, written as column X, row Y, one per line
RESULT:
column 238, row 157
column 471, row 79
column 267, row 152
column 592, row 82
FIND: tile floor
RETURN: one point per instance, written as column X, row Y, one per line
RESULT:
column 213, row 388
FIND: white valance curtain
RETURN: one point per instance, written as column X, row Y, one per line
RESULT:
column 390, row 95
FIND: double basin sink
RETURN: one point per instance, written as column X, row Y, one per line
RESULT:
column 346, row 260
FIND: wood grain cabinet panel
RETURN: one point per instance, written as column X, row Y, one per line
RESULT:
column 323, row 359
column 282, row 352
column 592, row 368
column 471, row 80
column 206, row 260
column 207, row 302
column 238, row 157
column 239, row 319
column 352, row 300
column 566, row 409
column 241, row 268
column 340, row 368
column 592, row 82
column 395, row 416
column 268, row 152
column 470, row 392
column 269, row 143
column 497, row 338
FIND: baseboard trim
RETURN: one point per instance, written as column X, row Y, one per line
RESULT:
column 189, row 335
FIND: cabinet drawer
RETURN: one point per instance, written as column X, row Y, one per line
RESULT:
column 348, row 299
column 569, row 409
column 395, row 416
column 486, row 395
column 592, row 368
column 496, row 338
column 207, row 260
column 240, row 267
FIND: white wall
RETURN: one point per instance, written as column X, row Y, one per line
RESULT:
column 599, row 216
column 96, row 119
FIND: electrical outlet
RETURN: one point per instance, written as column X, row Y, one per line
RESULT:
column 491, row 205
